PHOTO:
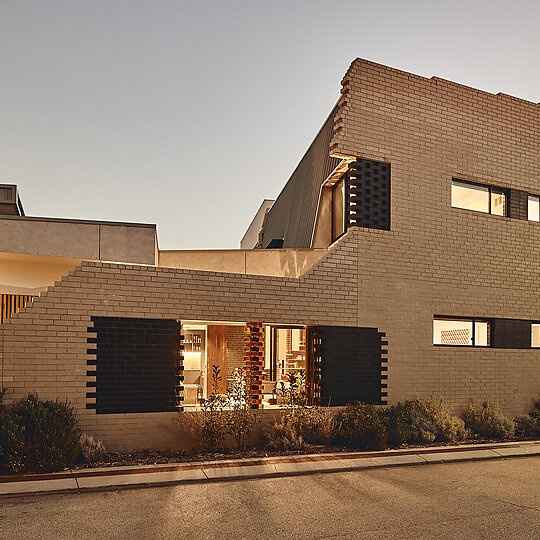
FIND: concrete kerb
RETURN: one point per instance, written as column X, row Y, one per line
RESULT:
column 244, row 469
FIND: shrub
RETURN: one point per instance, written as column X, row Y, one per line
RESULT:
column 40, row 436
column 92, row 449
column 240, row 419
column 535, row 413
column 398, row 420
column 527, row 427
column 430, row 422
column 314, row 425
column 214, row 421
column 488, row 421
column 361, row 426
column 284, row 436
column 3, row 425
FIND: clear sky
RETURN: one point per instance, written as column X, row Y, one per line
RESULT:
column 188, row 114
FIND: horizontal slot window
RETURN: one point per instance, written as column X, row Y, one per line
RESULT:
column 461, row 332
column 480, row 198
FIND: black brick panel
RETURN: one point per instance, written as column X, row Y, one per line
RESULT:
column 368, row 195
column 510, row 334
column 351, row 365
column 518, row 204
column 135, row 364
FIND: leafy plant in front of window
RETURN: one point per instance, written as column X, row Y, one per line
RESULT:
column 299, row 422
column 214, row 420
column 240, row 420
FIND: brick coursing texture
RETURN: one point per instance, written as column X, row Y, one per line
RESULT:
column 235, row 349
column 44, row 347
column 435, row 260
column 439, row 260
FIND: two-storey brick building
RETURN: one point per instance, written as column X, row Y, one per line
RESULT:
column 400, row 260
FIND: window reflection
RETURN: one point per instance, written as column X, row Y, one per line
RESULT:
column 535, row 335
column 461, row 332
column 338, row 209
column 533, row 208
column 487, row 199
column 470, row 196
column 452, row 332
column 498, row 203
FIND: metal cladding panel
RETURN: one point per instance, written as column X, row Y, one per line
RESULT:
column 292, row 216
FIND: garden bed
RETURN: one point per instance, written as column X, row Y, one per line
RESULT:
column 162, row 457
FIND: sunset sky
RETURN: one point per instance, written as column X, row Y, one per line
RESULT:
column 189, row 114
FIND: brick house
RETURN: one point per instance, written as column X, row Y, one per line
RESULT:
column 400, row 260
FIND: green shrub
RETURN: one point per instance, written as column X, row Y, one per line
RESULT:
column 430, row 422
column 92, row 449
column 283, row 436
column 40, row 436
column 527, row 427
column 488, row 421
column 398, row 419
column 240, row 419
column 361, row 426
column 535, row 413
column 299, row 426
column 3, row 426
column 313, row 424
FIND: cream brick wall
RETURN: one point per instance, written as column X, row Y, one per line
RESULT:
column 437, row 259
column 44, row 349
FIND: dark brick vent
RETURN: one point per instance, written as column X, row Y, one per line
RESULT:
column 137, row 364
column 347, row 365
column 368, row 195
column 518, row 204
column 510, row 334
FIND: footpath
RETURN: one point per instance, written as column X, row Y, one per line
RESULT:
column 239, row 469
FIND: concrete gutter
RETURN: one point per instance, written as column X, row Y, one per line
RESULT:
column 242, row 469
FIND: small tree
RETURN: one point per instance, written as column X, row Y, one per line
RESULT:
column 214, row 421
column 240, row 418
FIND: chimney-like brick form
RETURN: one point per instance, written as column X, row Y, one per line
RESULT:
column 254, row 359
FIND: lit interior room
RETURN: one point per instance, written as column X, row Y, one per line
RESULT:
column 208, row 344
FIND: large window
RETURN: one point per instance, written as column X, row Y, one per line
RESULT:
column 462, row 332
column 533, row 208
column 487, row 199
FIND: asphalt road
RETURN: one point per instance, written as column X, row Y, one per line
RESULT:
column 487, row 500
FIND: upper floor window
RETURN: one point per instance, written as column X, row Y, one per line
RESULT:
column 471, row 332
column 533, row 213
column 481, row 198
